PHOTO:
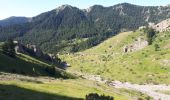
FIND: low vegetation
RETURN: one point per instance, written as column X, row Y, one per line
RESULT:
column 95, row 96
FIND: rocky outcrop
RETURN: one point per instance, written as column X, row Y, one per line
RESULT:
column 162, row 26
column 140, row 43
column 32, row 50
column 38, row 52
column 35, row 51
column 28, row 49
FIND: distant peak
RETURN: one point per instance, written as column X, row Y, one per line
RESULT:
column 15, row 17
column 12, row 17
column 96, row 6
column 168, row 5
column 64, row 6
column 126, row 4
column 92, row 7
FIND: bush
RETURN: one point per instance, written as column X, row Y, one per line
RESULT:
column 95, row 96
column 157, row 48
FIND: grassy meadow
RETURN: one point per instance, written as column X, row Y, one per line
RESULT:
column 32, row 82
column 39, row 88
column 108, row 59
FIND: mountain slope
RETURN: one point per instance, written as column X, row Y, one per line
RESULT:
column 28, row 65
column 70, row 29
column 108, row 59
column 14, row 20
column 25, row 77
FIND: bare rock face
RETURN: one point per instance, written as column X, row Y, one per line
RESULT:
column 20, row 48
column 162, row 26
column 139, row 44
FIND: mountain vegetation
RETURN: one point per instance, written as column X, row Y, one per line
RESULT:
column 69, row 29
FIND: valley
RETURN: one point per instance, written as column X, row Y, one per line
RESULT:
column 26, row 77
column 119, row 52
column 142, row 70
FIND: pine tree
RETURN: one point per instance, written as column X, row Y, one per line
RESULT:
column 150, row 35
column 8, row 48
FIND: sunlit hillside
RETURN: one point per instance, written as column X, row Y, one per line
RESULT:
column 109, row 60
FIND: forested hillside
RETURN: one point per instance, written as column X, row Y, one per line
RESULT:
column 69, row 29
column 14, row 20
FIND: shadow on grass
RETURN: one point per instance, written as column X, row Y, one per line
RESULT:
column 11, row 92
column 20, row 66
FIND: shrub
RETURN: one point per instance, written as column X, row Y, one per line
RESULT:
column 95, row 96
column 157, row 48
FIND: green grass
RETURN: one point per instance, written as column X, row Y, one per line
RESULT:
column 55, row 90
column 27, row 65
column 35, row 89
column 108, row 60
column 21, row 64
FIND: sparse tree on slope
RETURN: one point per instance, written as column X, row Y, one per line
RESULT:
column 150, row 33
column 8, row 48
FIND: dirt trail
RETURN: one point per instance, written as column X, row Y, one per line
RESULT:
column 148, row 89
